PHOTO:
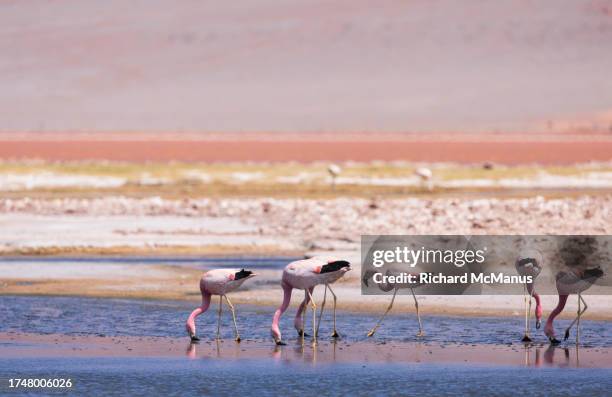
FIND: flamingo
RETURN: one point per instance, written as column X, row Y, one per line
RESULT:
column 571, row 282
column 579, row 273
column 218, row 282
column 528, row 266
column 334, row 171
column 306, row 274
column 386, row 287
column 425, row 174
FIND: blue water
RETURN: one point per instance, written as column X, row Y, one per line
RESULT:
column 262, row 377
column 115, row 317
column 174, row 376
column 277, row 262
column 210, row 376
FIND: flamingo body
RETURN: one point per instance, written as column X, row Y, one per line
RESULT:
column 308, row 273
column 217, row 282
column 571, row 282
column 305, row 275
column 222, row 281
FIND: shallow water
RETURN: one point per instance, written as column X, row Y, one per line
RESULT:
column 172, row 376
column 115, row 317
column 276, row 262
column 255, row 376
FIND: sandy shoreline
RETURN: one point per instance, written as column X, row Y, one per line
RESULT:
column 23, row 345
column 163, row 282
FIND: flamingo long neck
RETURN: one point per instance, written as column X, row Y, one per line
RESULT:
column 282, row 308
column 549, row 330
column 191, row 320
column 538, row 308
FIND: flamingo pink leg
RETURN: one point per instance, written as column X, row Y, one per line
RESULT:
column 549, row 329
column 276, row 334
column 298, row 323
column 190, row 325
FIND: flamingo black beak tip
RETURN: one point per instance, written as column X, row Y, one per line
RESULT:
column 538, row 324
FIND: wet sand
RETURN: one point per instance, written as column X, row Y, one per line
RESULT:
column 23, row 345
column 517, row 149
column 100, row 277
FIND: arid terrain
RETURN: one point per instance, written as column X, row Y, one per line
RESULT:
column 339, row 66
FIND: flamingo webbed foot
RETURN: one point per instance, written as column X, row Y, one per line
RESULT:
column 554, row 341
column 237, row 339
column 280, row 343
column 371, row 333
column 420, row 334
column 335, row 334
column 526, row 339
column 302, row 333
column 194, row 339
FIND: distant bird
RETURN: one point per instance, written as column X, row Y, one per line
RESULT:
column 305, row 275
column 571, row 282
column 218, row 282
column 528, row 266
column 386, row 287
column 425, row 175
column 334, row 171
column 578, row 275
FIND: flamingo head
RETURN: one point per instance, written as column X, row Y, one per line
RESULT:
column 277, row 336
column 538, row 315
column 190, row 327
column 550, row 334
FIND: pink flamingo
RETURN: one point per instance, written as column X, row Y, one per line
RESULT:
column 306, row 274
column 530, row 267
column 218, row 282
column 574, row 281
column 386, row 287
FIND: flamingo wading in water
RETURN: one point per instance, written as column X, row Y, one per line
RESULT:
column 218, row 282
column 386, row 287
column 571, row 282
column 578, row 275
column 305, row 275
column 530, row 267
